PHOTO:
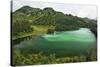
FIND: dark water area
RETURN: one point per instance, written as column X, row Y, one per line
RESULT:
column 61, row 43
column 19, row 40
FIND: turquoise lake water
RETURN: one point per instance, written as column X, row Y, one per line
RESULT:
column 61, row 43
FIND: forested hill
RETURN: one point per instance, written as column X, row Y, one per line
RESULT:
column 25, row 17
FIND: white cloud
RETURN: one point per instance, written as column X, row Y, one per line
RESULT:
column 89, row 11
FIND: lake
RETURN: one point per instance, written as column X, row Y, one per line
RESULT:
column 62, row 43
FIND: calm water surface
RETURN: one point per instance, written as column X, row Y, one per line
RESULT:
column 62, row 43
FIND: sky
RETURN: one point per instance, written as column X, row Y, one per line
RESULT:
column 89, row 11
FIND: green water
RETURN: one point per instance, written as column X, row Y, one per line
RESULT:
column 61, row 43
column 82, row 35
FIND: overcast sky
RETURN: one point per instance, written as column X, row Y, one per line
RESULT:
column 89, row 11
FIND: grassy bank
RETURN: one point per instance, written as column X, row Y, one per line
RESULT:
column 38, row 29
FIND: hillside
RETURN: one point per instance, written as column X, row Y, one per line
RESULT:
column 25, row 18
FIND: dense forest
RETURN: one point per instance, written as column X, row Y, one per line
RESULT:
column 26, row 17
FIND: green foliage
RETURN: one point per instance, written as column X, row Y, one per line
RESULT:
column 65, row 27
column 21, row 58
column 21, row 26
column 50, row 31
column 26, row 17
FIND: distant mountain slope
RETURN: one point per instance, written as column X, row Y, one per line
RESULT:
column 26, row 16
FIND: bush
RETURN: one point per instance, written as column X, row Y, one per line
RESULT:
column 50, row 31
